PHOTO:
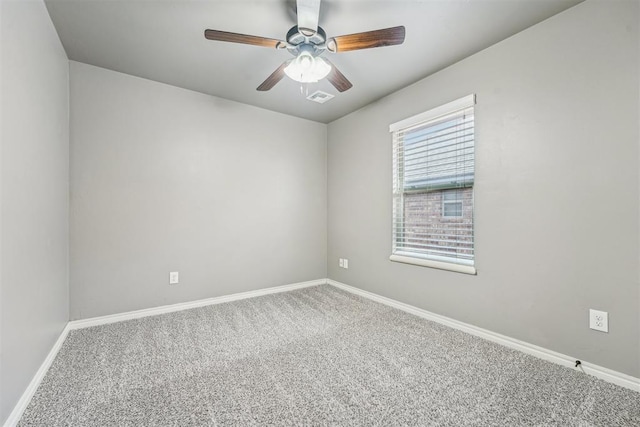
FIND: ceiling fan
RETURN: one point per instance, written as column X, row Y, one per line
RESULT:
column 307, row 41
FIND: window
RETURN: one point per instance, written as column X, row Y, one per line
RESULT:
column 452, row 204
column 433, row 177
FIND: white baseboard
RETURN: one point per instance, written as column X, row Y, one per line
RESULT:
column 601, row 372
column 18, row 410
column 119, row 317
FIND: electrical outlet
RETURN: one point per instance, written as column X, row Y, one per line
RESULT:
column 599, row 320
column 346, row 263
column 341, row 263
column 173, row 278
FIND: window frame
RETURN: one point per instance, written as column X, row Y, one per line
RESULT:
column 433, row 261
column 451, row 202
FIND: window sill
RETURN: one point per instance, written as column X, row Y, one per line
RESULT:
column 458, row 268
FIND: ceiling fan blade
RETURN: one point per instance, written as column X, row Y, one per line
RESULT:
column 274, row 78
column 308, row 14
column 225, row 36
column 376, row 38
column 337, row 79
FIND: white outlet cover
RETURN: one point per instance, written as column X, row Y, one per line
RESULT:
column 174, row 278
column 341, row 263
column 599, row 320
column 346, row 263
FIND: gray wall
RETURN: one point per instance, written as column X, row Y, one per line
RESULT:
column 556, row 188
column 34, row 199
column 164, row 179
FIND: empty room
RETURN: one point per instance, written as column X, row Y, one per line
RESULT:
column 336, row 212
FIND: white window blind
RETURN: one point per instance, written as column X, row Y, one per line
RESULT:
column 433, row 177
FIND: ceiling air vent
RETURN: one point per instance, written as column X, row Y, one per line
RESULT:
column 320, row 97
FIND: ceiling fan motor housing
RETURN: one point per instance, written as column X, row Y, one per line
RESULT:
column 298, row 42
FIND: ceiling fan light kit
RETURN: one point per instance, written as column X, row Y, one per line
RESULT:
column 307, row 41
column 307, row 69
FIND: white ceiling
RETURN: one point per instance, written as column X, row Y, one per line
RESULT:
column 164, row 41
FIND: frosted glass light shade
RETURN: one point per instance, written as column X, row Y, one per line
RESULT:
column 307, row 69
